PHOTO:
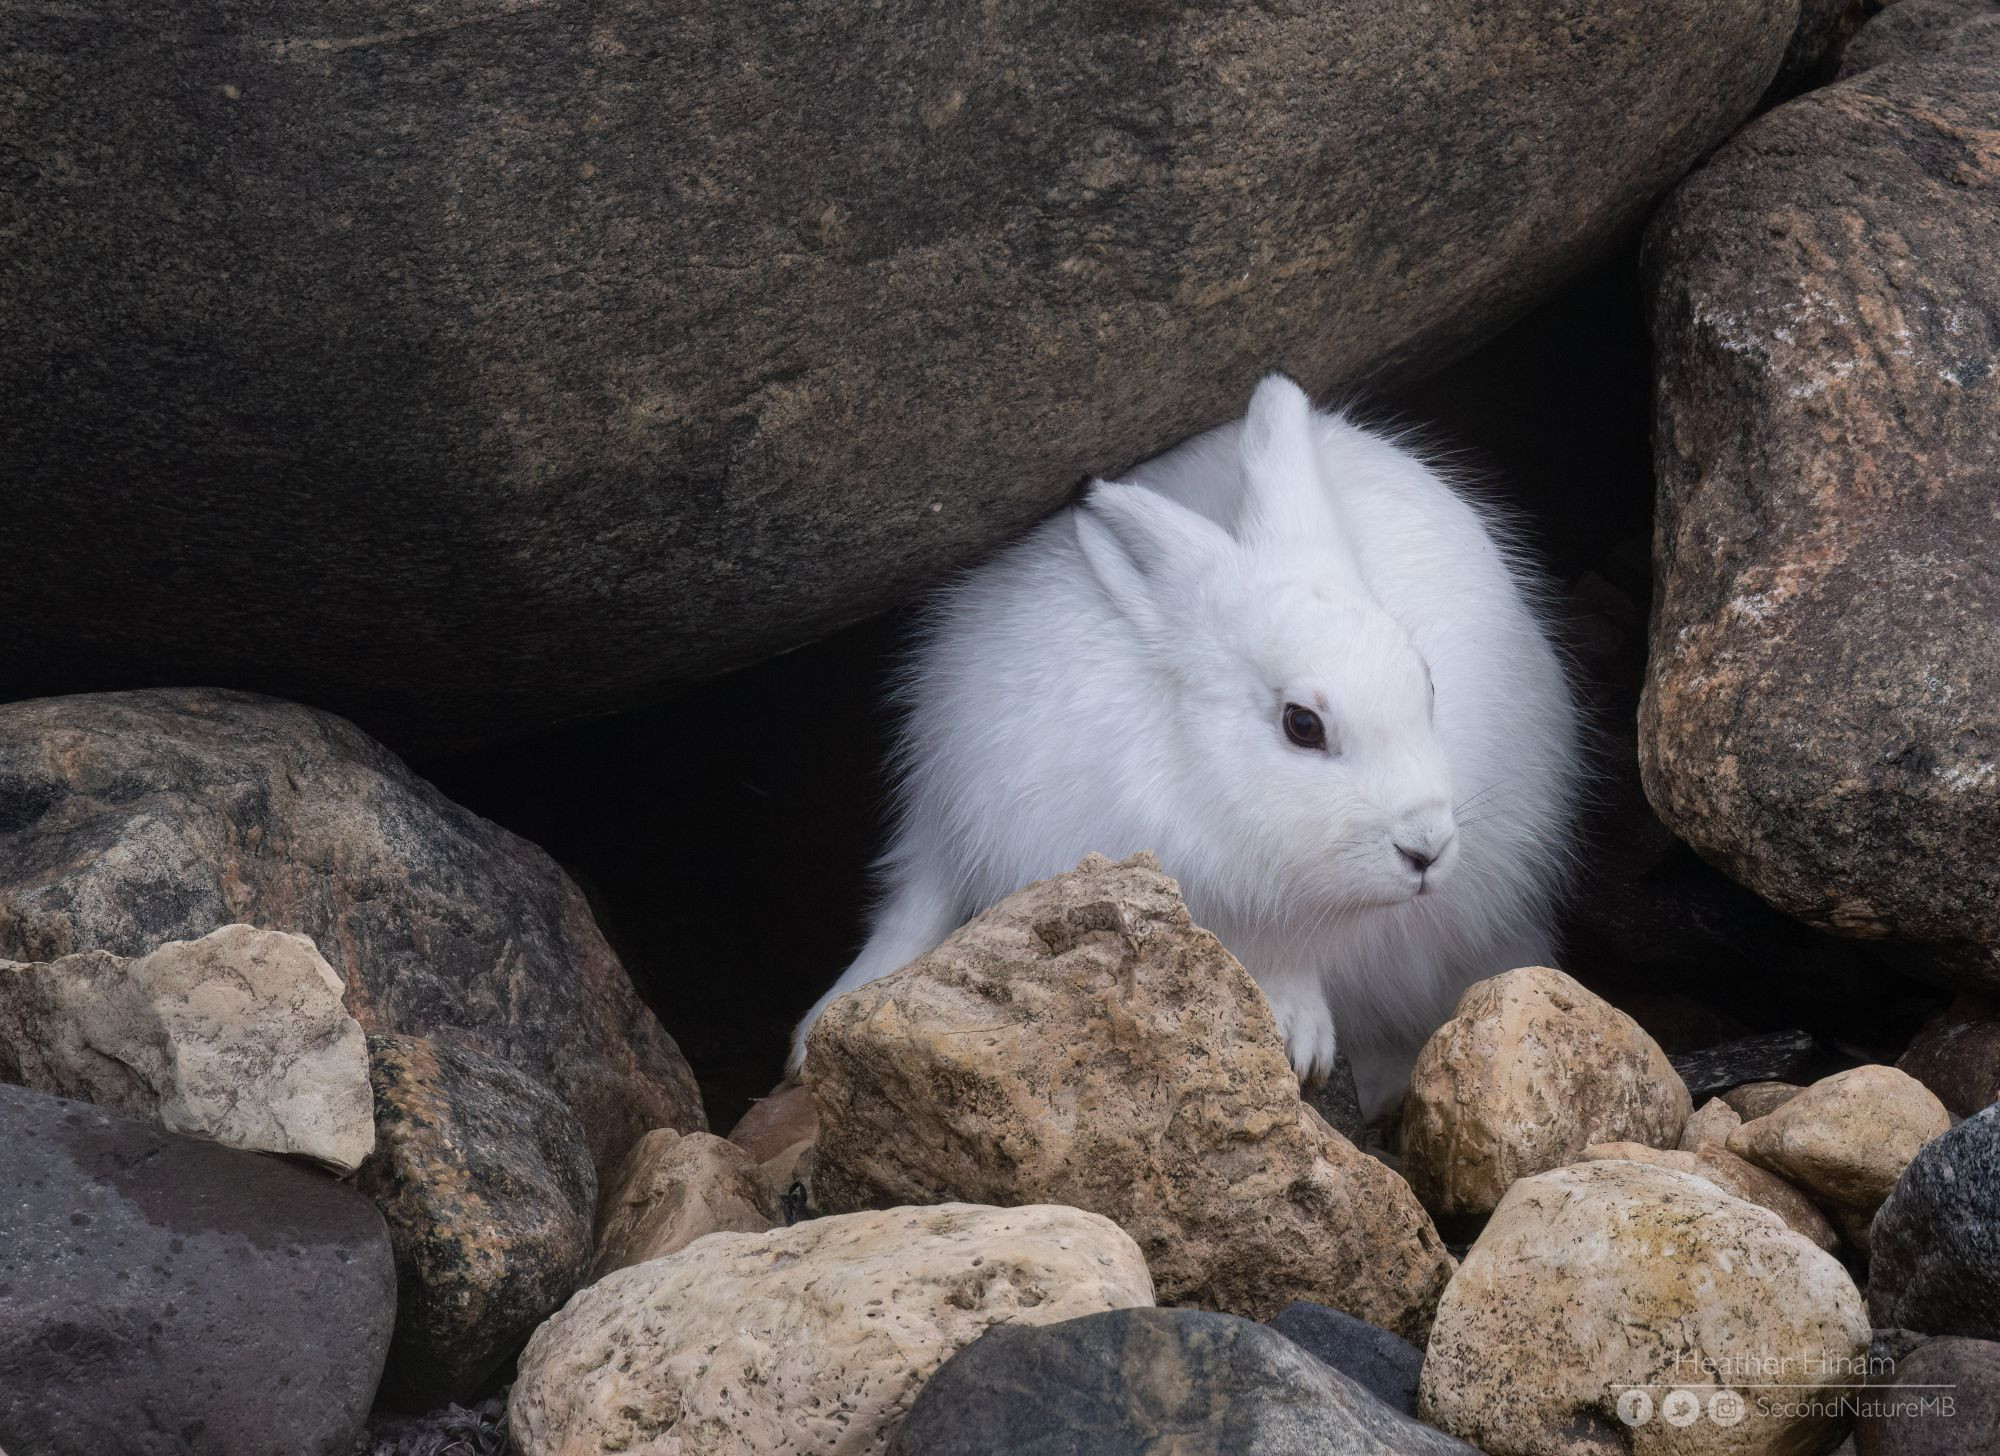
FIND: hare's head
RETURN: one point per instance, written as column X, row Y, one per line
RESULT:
column 1303, row 716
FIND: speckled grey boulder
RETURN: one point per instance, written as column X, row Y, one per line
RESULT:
column 474, row 365
column 1936, row 1242
column 164, row 1296
column 1134, row 1382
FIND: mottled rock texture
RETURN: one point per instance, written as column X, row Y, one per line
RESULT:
column 1820, row 718
column 1084, row 1042
column 1956, row 1054
column 1846, row 1138
column 131, row 819
column 1531, row 1070
column 673, row 1188
column 814, row 1338
column 1732, row 1175
column 239, row 1036
column 167, row 1296
column 615, row 347
column 488, row 1189
column 1142, row 1382
column 1936, row 1242
column 1600, row 1277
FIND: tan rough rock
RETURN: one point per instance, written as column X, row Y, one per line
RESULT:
column 1732, row 1175
column 811, row 1338
column 1710, row 1126
column 672, row 1189
column 1084, row 1042
column 1601, row 1277
column 239, row 1037
column 1847, row 1138
column 779, row 1174
column 1756, row 1099
column 1530, row 1071
column 774, row 1123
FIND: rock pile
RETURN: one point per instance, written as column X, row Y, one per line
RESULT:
column 1084, row 1042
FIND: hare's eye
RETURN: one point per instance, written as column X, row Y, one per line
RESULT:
column 1303, row 727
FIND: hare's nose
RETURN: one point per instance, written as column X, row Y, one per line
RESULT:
column 1417, row 859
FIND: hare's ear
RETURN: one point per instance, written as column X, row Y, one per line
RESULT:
column 1285, row 501
column 1147, row 552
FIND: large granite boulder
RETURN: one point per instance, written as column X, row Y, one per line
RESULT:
column 162, row 1295
column 488, row 364
column 1818, row 719
column 131, row 819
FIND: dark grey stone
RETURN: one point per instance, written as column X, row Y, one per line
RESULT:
column 1338, row 1101
column 1137, row 1382
column 1777, row 1056
column 1944, row 1400
column 473, row 365
column 162, row 1296
column 130, row 819
column 1935, row 1245
column 1385, row 1364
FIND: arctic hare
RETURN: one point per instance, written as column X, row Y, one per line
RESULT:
column 1290, row 659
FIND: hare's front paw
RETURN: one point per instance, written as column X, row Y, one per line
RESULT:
column 1306, row 1025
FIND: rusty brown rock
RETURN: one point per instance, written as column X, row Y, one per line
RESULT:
column 488, row 1190
column 672, row 1189
column 1084, row 1042
column 131, row 819
column 1820, row 717
column 1531, row 1070
column 495, row 364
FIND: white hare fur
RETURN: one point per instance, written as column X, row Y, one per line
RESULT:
column 1120, row 680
